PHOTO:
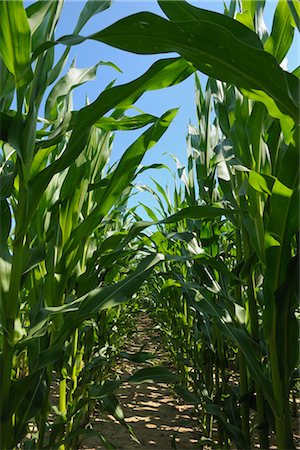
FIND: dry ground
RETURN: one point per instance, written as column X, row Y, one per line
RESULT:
column 157, row 418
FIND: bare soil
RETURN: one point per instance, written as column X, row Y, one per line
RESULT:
column 158, row 419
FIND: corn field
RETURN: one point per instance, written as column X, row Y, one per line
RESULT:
column 216, row 264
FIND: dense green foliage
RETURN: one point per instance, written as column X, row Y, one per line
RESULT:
column 220, row 271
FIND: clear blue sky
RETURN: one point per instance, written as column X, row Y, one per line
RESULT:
column 132, row 65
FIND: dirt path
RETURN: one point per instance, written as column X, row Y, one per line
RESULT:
column 157, row 418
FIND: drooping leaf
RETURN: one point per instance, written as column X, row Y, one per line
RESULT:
column 225, row 55
column 156, row 374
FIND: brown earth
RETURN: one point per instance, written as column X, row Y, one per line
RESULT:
column 158, row 419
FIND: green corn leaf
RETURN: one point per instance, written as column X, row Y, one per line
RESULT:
column 188, row 396
column 149, row 211
column 153, row 375
column 225, row 55
column 153, row 166
column 7, row 87
column 15, row 42
column 199, row 212
column 111, row 404
column 35, row 256
column 90, row 9
column 179, row 11
column 138, row 357
column 282, row 33
column 39, row 16
column 283, row 204
column 36, row 14
column 246, row 19
column 125, row 123
column 295, row 10
column 107, row 388
column 6, row 184
column 260, row 183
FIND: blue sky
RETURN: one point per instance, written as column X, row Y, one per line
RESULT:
column 132, row 65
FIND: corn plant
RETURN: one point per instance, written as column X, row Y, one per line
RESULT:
column 254, row 169
column 56, row 194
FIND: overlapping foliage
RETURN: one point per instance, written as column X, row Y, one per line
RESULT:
column 224, row 254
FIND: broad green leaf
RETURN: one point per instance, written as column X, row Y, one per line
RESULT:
column 40, row 16
column 34, row 257
column 138, row 357
column 286, row 122
column 179, row 11
column 188, row 396
column 108, row 387
column 7, row 86
column 149, row 211
column 90, row 9
column 259, row 183
column 246, row 19
column 125, row 123
column 153, row 375
column 283, row 224
column 199, row 212
column 223, row 56
column 288, row 171
column 282, row 33
column 295, row 10
column 248, row 5
column 15, row 43
column 36, row 13
column 6, row 182
column 111, row 404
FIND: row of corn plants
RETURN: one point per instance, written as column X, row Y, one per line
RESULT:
column 226, row 303
column 63, row 216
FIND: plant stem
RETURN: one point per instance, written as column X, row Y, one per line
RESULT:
column 244, row 409
column 11, row 311
column 254, row 329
